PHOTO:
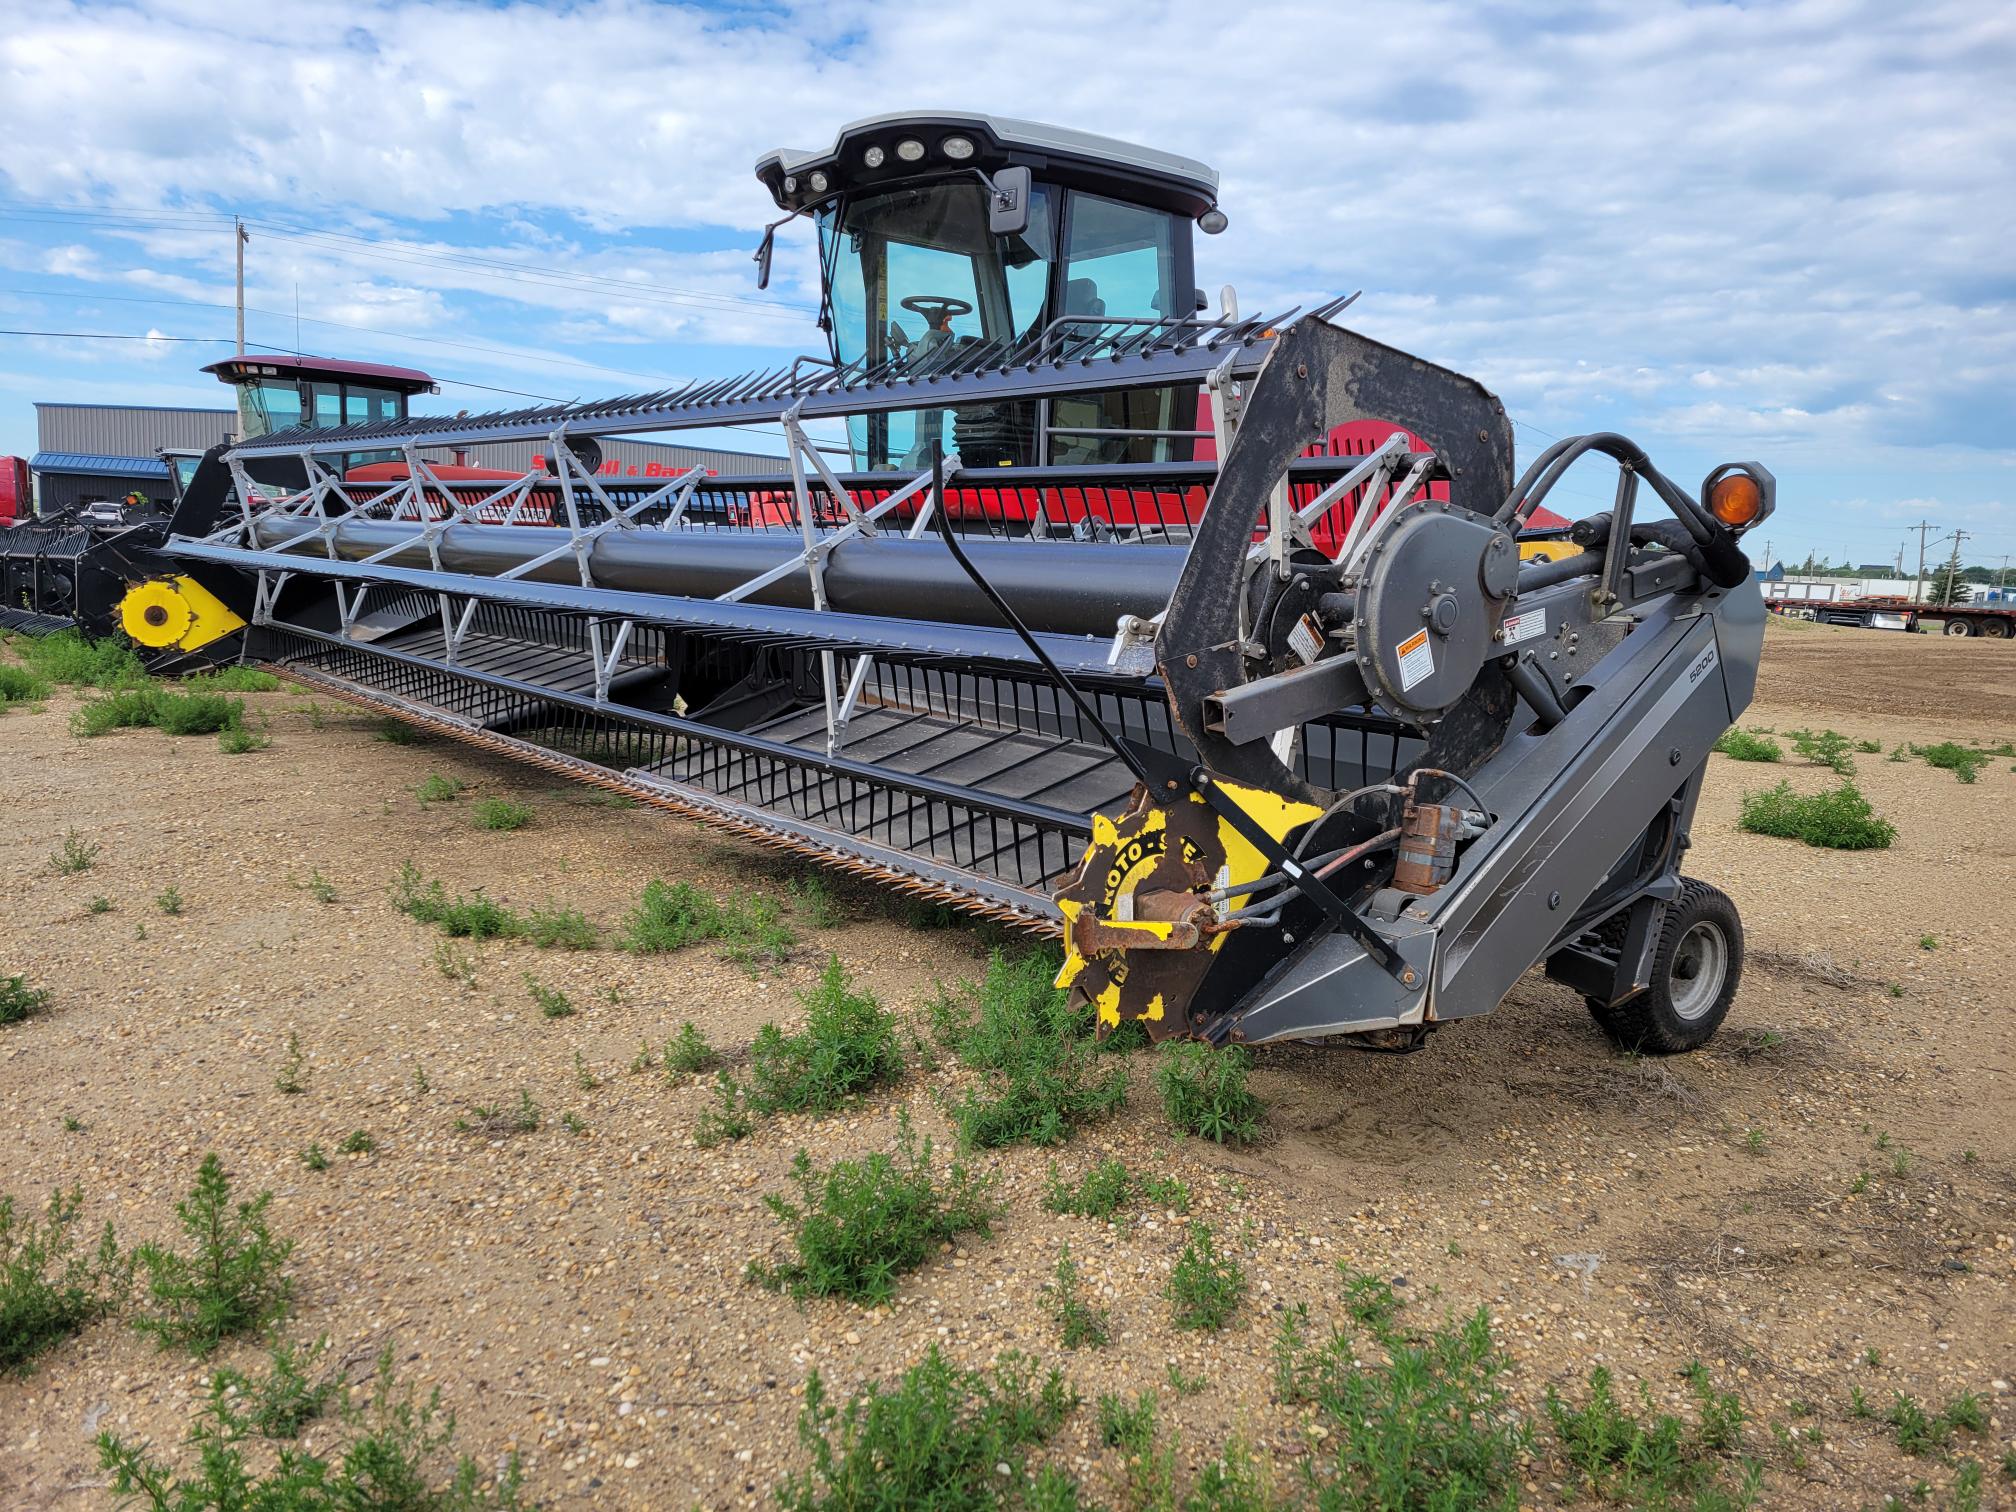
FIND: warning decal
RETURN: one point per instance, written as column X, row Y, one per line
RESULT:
column 1417, row 660
column 1519, row 627
column 1306, row 639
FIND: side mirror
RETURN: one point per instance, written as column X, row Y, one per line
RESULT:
column 1008, row 209
column 763, row 252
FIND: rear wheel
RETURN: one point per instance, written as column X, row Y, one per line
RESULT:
column 1695, row 973
column 1995, row 629
column 1958, row 627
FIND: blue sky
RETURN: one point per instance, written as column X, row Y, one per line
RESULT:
column 1779, row 232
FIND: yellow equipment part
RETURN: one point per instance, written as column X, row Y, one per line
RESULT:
column 176, row 612
column 1185, row 847
column 1550, row 549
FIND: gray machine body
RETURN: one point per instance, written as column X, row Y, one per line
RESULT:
column 1570, row 800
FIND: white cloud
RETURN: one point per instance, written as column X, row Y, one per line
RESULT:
column 1716, row 226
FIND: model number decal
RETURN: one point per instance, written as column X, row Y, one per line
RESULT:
column 1703, row 665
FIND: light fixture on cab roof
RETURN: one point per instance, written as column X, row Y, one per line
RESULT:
column 874, row 157
column 910, row 150
column 818, row 182
column 1211, row 222
column 957, row 148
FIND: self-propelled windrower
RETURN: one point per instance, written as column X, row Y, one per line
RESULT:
column 1207, row 641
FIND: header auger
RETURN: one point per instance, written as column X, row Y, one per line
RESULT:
column 1204, row 641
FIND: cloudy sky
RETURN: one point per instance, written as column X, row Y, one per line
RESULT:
column 1773, row 231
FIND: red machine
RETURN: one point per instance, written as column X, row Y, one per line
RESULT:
column 16, row 503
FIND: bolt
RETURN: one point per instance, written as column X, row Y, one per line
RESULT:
column 1673, row 756
column 1301, row 370
column 1190, row 661
column 1554, row 900
column 1407, row 976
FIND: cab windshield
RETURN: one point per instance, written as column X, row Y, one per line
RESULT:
column 275, row 404
column 915, row 278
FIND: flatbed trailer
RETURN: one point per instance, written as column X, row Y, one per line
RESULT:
column 1995, row 621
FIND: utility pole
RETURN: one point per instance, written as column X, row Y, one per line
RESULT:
column 2001, row 573
column 239, row 238
column 1924, row 528
column 1953, row 565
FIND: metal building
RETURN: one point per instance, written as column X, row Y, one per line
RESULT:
column 106, row 451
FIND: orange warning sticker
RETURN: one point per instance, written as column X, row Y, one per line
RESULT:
column 1417, row 660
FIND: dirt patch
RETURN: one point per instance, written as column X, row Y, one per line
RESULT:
column 1821, row 1200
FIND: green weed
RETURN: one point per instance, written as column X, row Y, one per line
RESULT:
column 395, row 732
column 357, row 1142
column 1838, row 819
column 1205, row 1287
column 67, row 657
column 231, row 1283
column 1828, row 748
column 320, row 888
column 1742, row 745
column 18, row 1000
column 943, row 1438
column 394, row 1460
column 1655, row 1462
column 474, row 917
column 550, row 1001
column 1107, row 1187
column 293, row 1074
column 74, row 856
column 283, row 1401
column 236, row 740
column 670, row 916
column 22, row 685
column 454, row 963
column 728, row 1119
column 859, row 1224
column 557, row 928
column 848, row 1045
column 435, row 788
column 815, row 898
column 1077, row 1321
column 502, row 814
column 1964, row 762
column 1204, row 1090
column 1430, row 1427
column 1921, row 1433
column 98, row 905
column 50, row 1290
column 1019, row 1030
column 687, row 1053
column 314, row 1159
column 169, row 899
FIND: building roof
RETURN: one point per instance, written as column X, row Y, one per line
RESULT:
column 96, row 466
column 309, row 367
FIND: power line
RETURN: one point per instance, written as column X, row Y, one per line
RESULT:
column 341, row 325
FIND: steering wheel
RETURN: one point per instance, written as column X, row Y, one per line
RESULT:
column 937, row 309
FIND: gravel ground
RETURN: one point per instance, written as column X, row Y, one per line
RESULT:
column 578, row 1297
